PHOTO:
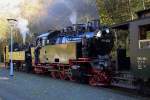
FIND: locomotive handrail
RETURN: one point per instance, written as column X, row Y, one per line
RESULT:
column 146, row 40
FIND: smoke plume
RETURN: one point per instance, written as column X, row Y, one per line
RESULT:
column 73, row 17
column 63, row 13
column 39, row 16
column 22, row 25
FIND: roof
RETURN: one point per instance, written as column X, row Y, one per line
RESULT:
column 125, row 25
column 143, row 11
column 122, row 26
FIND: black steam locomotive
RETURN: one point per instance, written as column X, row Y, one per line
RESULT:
column 79, row 52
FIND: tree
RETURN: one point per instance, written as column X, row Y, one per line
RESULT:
column 105, row 18
column 117, row 11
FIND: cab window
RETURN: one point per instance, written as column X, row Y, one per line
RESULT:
column 144, row 36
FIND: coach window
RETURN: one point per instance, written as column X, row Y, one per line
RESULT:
column 144, row 37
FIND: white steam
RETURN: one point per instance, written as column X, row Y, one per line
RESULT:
column 22, row 25
column 73, row 17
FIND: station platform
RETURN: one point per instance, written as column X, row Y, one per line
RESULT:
column 23, row 86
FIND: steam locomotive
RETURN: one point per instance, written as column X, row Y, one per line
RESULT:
column 78, row 53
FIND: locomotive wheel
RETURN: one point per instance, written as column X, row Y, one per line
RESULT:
column 55, row 74
column 93, row 81
column 99, row 79
column 35, row 70
column 62, row 75
column 38, row 70
column 104, row 78
column 70, row 76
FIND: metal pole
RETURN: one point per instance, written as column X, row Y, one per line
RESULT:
column 12, row 25
column 11, row 55
column 116, row 47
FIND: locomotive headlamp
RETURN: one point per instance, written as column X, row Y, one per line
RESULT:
column 99, row 34
column 107, row 30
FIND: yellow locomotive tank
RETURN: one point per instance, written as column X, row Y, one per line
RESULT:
column 60, row 53
column 16, row 55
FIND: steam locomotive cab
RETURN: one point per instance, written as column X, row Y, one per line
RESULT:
column 101, row 46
